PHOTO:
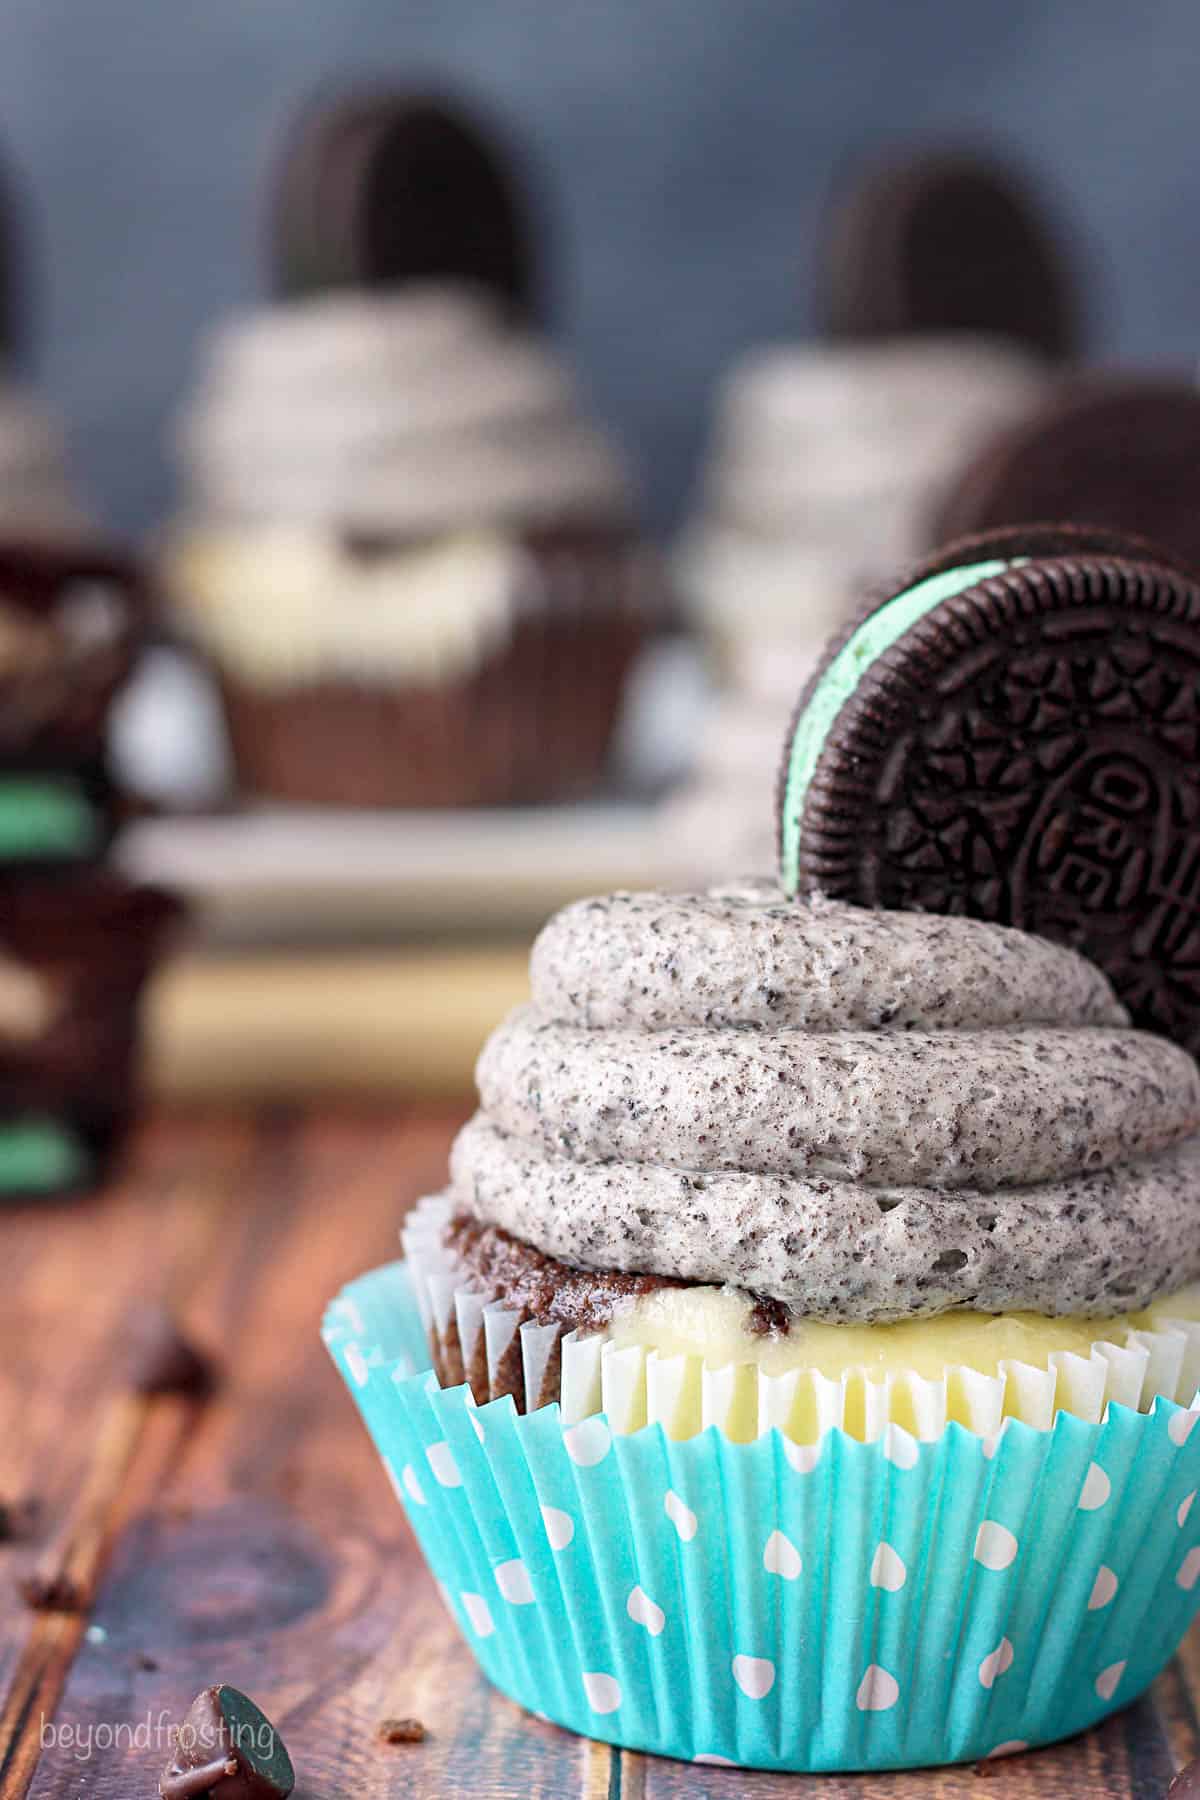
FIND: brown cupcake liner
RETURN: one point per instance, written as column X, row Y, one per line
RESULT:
column 533, row 723
column 92, row 940
column 57, row 709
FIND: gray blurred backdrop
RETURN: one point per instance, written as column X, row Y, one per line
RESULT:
column 686, row 145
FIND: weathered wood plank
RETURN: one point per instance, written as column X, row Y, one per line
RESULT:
column 257, row 1540
column 71, row 1272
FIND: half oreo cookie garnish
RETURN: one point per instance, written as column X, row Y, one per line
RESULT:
column 1014, row 735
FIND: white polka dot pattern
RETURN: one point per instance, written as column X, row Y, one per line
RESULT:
column 643, row 1611
column 877, row 1691
column 755, row 1675
column 603, row 1692
column 682, row 1517
column 781, row 1557
column 995, row 1546
column 1096, row 1490
column 887, row 1569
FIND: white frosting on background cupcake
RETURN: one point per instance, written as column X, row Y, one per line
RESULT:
column 419, row 421
column 408, row 414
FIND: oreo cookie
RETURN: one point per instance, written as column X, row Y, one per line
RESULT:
column 1117, row 450
column 378, row 188
column 946, row 241
column 1014, row 735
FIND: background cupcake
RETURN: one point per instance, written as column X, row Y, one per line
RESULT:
column 409, row 556
column 77, row 941
column 943, row 298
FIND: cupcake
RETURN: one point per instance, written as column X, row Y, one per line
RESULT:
column 72, row 619
column 827, row 455
column 410, row 557
column 74, row 959
column 77, row 942
column 814, row 1309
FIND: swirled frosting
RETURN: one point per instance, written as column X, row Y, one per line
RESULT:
column 865, row 1116
column 410, row 414
column 360, row 471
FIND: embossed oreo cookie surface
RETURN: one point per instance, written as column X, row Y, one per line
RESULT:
column 1017, row 738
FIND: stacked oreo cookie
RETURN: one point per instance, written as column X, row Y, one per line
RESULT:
column 76, row 940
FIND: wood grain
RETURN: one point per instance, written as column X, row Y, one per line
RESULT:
column 251, row 1538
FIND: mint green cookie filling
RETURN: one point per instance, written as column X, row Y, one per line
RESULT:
column 874, row 637
column 46, row 817
column 39, row 1157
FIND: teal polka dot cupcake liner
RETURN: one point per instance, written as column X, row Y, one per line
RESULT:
column 830, row 1606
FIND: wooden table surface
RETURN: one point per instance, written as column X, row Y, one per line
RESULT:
column 252, row 1538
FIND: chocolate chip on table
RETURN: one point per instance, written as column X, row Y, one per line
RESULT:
column 1186, row 1785
column 402, row 1731
column 163, row 1360
column 227, row 1749
column 52, row 1592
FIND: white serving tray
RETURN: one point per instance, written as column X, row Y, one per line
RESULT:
column 293, row 875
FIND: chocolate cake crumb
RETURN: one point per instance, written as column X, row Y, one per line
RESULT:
column 401, row 1731
column 546, row 1290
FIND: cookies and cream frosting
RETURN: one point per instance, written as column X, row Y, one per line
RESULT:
column 360, row 470
column 861, row 1116
column 410, row 414
column 822, row 462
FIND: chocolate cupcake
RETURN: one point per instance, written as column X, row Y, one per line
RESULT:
column 814, row 1307
column 76, row 941
column 74, row 958
column 72, row 620
column 411, row 560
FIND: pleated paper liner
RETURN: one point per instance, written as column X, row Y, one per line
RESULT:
column 498, row 1352
column 834, row 1604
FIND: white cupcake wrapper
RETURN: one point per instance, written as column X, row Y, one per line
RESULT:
column 496, row 1352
